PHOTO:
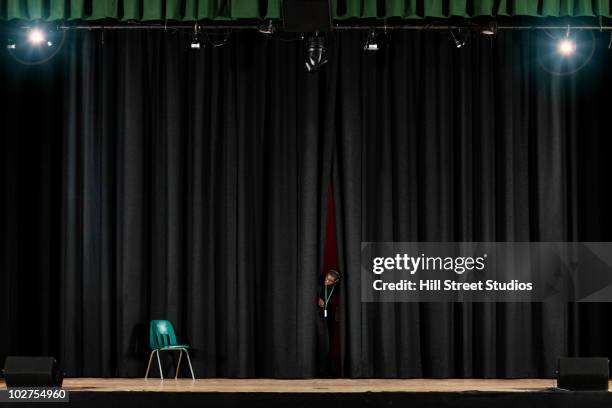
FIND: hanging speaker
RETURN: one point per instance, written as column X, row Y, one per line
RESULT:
column 32, row 372
column 306, row 16
column 583, row 374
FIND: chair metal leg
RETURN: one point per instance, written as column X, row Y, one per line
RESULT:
column 149, row 365
column 178, row 366
column 161, row 374
column 190, row 367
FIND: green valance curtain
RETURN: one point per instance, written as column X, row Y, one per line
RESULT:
column 191, row 10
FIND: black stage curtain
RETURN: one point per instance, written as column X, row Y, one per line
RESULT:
column 141, row 180
column 485, row 143
column 190, row 188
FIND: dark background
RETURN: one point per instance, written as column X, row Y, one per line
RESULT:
column 141, row 180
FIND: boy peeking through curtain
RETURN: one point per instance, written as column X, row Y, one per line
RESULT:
column 326, row 323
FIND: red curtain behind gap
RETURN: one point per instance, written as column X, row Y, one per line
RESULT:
column 330, row 252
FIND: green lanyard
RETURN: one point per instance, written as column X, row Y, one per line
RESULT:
column 327, row 298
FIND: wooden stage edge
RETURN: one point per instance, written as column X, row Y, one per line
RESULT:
column 305, row 386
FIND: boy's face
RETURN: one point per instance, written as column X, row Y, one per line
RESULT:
column 329, row 280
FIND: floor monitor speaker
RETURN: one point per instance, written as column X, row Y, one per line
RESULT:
column 583, row 374
column 32, row 372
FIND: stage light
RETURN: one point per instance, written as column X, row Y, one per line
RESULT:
column 316, row 56
column 36, row 45
column 372, row 42
column 566, row 46
column 489, row 29
column 268, row 28
column 196, row 43
column 458, row 39
column 36, row 36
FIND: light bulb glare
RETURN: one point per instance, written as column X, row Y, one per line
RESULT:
column 566, row 46
column 36, row 36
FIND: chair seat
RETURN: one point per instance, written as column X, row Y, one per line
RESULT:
column 175, row 346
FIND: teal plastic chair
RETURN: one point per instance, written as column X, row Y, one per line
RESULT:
column 162, row 338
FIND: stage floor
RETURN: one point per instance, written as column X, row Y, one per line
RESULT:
column 324, row 393
column 306, row 386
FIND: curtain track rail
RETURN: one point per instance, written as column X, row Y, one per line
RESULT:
column 335, row 27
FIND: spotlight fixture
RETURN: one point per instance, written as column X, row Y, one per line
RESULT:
column 267, row 28
column 566, row 45
column 489, row 29
column 36, row 36
column 196, row 43
column 372, row 43
column 458, row 39
column 36, row 44
column 316, row 55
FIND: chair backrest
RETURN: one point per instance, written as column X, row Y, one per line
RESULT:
column 161, row 334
